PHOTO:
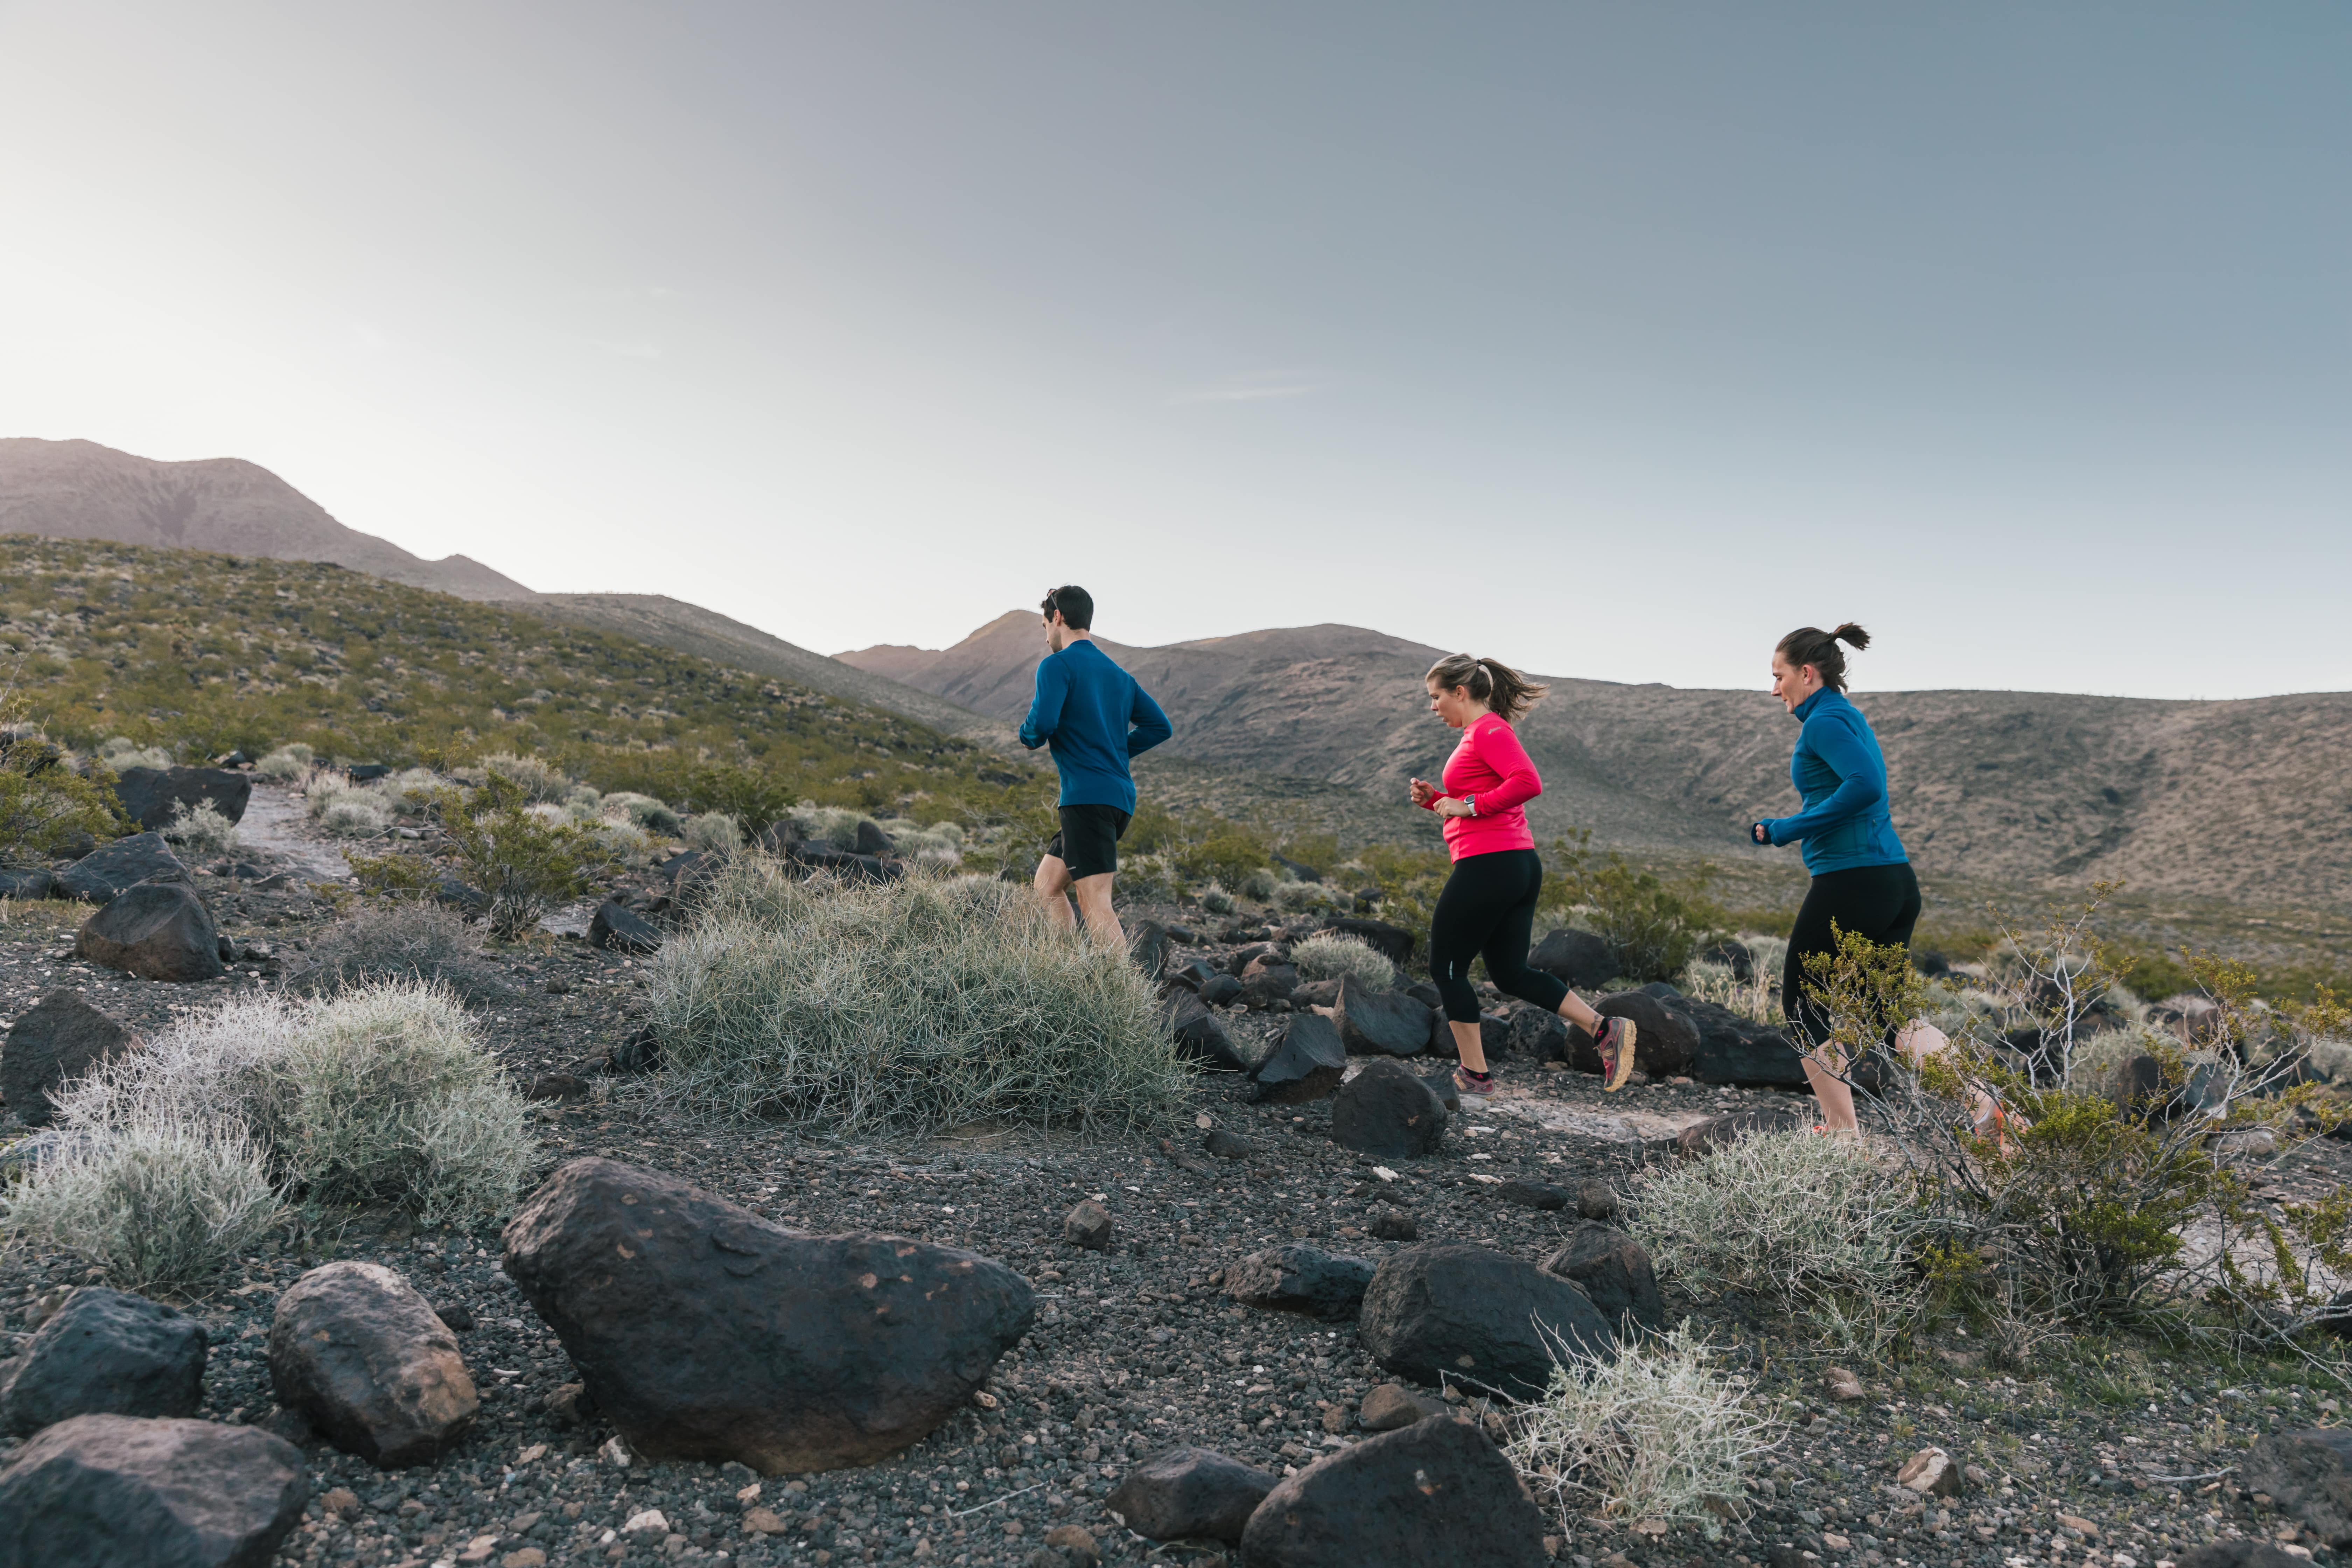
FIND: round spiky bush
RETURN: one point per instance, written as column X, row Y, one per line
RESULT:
column 1333, row 955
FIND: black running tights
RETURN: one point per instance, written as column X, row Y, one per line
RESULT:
column 1881, row 902
column 1488, row 910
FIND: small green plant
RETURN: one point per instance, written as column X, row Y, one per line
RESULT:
column 538, row 779
column 44, row 803
column 1650, row 1433
column 287, row 763
column 653, row 815
column 714, row 832
column 163, row 1207
column 1336, row 956
column 1653, row 925
column 201, row 829
column 526, row 863
column 121, row 752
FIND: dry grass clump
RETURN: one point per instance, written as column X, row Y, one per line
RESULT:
column 913, row 1006
column 714, row 832
column 122, row 751
column 404, row 939
column 1336, row 956
column 162, row 1206
column 1216, row 900
column 201, row 829
column 288, row 762
column 343, row 809
column 539, row 779
column 653, row 815
column 1811, row 1224
column 1650, row 1433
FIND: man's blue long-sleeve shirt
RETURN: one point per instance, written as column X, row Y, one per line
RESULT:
column 1841, row 775
column 1095, row 717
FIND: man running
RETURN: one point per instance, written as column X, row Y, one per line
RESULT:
column 1096, row 718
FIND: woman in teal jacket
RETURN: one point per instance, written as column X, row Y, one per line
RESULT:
column 1862, row 881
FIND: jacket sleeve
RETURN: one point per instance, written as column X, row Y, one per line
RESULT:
column 1498, row 747
column 1150, row 725
column 1046, row 707
column 1862, row 782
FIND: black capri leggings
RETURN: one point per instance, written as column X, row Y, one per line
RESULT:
column 1488, row 910
column 1881, row 902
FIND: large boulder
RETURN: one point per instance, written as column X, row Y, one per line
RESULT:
column 1435, row 1494
column 1267, row 983
column 616, row 928
column 1190, row 1494
column 1536, row 1032
column 1380, row 1023
column 1575, row 958
column 26, row 882
column 153, row 797
column 1614, row 1271
column 2308, row 1475
column 1199, row 1034
column 370, row 1365
column 157, row 930
column 1305, row 1064
column 1392, row 942
column 1664, row 1039
column 1701, row 1137
column 1729, row 1048
column 120, row 1491
column 116, row 868
column 1386, row 1110
column 58, row 1038
column 1479, row 1316
column 703, row 1331
column 1300, row 1280
column 106, row 1353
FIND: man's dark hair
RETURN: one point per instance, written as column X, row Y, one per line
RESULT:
column 1078, row 607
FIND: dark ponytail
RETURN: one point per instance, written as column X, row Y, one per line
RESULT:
column 1502, row 689
column 1811, row 645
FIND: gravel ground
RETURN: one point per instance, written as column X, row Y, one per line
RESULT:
column 2119, row 1455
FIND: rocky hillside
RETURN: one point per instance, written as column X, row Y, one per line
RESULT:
column 2246, row 800
column 79, row 489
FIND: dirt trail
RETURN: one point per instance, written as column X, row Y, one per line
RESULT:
column 275, row 825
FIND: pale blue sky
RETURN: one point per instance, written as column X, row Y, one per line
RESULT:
column 1611, row 339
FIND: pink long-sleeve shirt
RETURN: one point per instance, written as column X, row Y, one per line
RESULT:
column 1491, row 765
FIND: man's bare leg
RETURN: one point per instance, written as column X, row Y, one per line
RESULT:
column 1093, row 903
column 1053, row 885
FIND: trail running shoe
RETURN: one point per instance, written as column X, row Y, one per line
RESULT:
column 1474, row 1086
column 1615, row 1043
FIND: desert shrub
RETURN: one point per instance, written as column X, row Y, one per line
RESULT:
column 44, row 803
column 343, row 809
column 1758, row 997
column 913, row 1006
column 163, row 1207
column 526, row 863
column 1335, row 956
column 1216, row 850
column 1297, row 897
column 409, row 790
column 402, row 939
column 714, row 832
column 1653, row 926
column 538, row 779
column 379, row 1094
column 201, row 829
column 1813, row 1225
column 287, row 763
column 1259, row 884
column 937, row 845
column 1650, row 1432
column 121, row 752
column 1408, row 879
column 1216, row 900
column 653, row 815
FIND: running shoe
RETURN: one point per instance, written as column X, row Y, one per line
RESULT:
column 1615, row 1043
column 1476, row 1087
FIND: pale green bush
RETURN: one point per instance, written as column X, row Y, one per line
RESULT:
column 343, row 809
column 122, row 751
column 1297, row 897
column 201, row 829
column 1333, row 955
column 163, row 1208
column 403, row 939
column 288, row 762
column 1260, row 885
column 714, row 832
column 1216, row 900
column 539, row 779
column 913, row 1006
column 653, row 815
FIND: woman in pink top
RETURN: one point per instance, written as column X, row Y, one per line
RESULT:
column 1488, row 907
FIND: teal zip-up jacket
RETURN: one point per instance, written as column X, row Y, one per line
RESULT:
column 1095, row 717
column 1841, row 775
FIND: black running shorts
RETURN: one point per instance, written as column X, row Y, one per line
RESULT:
column 1089, row 842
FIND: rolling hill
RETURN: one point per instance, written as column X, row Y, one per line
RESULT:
column 2246, row 800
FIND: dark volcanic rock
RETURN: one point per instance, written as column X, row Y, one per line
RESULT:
column 368, row 1363
column 2308, row 1474
column 106, row 1353
column 1147, row 941
column 1734, row 956
column 1614, row 1271
column 1715, row 1132
column 1575, row 958
column 1380, row 1023
column 703, row 1331
column 616, row 928
column 1535, row 1195
column 1227, row 1146
column 1088, row 1226
column 35, row 882
column 111, row 868
column 1392, row 1224
column 1386, row 1110
column 151, row 797
column 1732, row 1050
column 1392, row 942
column 1436, row 1494
column 1220, row 991
column 461, row 896
column 1199, row 1034
column 1190, row 1494
column 1538, row 1034
column 118, row 1491
column 1305, row 1064
column 59, row 1037
column 1270, row 983
column 1300, row 1280
column 1476, row 1316
column 157, row 930
column 1662, row 1042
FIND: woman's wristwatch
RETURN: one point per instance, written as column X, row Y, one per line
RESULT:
column 1472, row 802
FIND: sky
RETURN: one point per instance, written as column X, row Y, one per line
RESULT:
column 1612, row 340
